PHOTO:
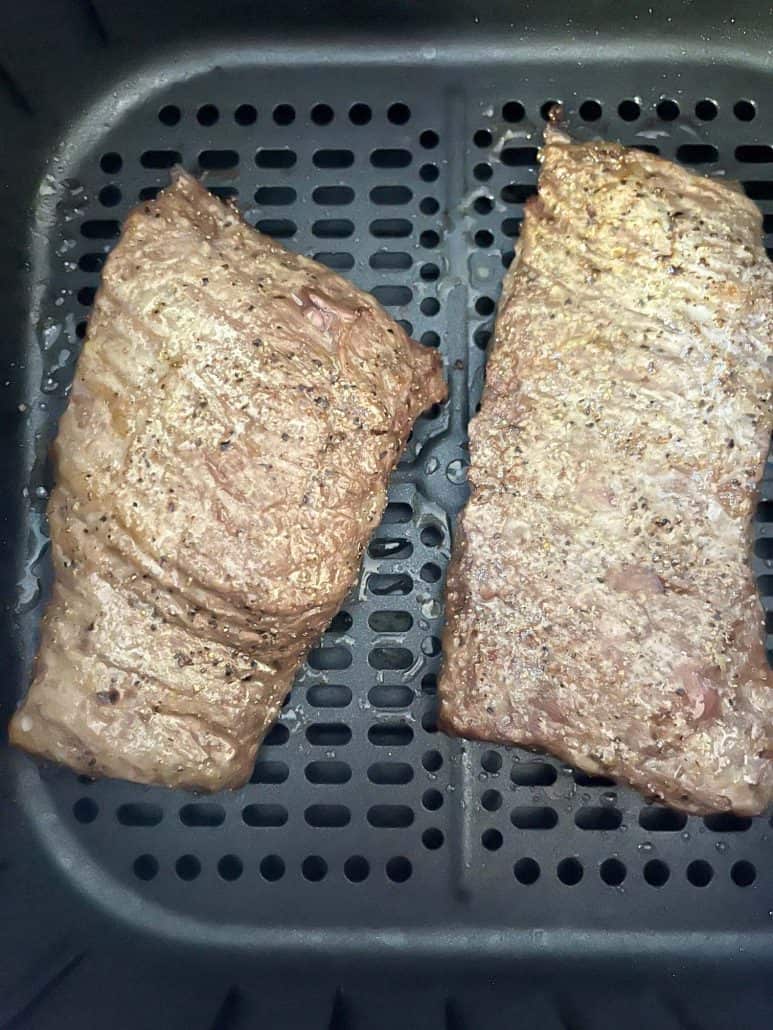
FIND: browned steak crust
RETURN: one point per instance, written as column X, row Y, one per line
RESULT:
column 601, row 604
column 236, row 413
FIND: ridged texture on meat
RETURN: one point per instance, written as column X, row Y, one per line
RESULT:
column 601, row 604
column 236, row 413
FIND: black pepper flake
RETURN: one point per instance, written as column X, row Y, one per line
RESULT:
column 107, row 697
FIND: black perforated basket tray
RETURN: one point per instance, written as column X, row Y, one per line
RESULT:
column 373, row 873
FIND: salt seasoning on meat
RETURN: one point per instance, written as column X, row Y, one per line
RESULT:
column 623, row 429
column 236, row 412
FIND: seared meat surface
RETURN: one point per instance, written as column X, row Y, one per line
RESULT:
column 600, row 603
column 236, row 413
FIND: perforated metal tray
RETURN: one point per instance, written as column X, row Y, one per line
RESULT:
column 374, row 872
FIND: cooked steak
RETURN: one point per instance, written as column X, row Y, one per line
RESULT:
column 601, row 604
column 236, row 413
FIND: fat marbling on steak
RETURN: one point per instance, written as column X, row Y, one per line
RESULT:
column 236, row 412
column 600, row 603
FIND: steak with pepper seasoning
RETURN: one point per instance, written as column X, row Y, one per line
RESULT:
column 224, row 458
column 600, row 603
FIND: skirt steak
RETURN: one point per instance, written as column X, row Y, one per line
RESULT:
column 236, row 413
column 600, row 603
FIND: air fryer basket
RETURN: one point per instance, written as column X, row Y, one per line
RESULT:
column 374, row 873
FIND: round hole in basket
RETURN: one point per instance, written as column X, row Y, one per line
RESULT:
column 284, row 114
column 432, row 838
column 491, row 761
column 399, row 113
column 629, row 110
column 85, row 810
column 706, row 110
column 169, row 114
column 207, row 114
column 492, row 839
column 322, row 114
column 356, row 869
column 314, row 868
column 360, row 114
column 656, row 873
column 188, row 867
column 145, row 867
column 109, row 196
column 432, row 761
column 569, row 871
column 245, row 114
column 526, row 871
column 491, row 800
column 745, row 110
column 230, row 867
column 668, row 110
column 513, row 111
column 399, row 869
column 700, row 873
column 743, row 873
column 111, row 163
column 612, row 871
column 432, row 800
column 272, row 868
column 590, row 110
